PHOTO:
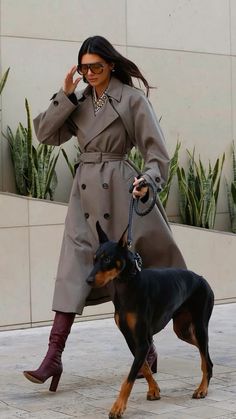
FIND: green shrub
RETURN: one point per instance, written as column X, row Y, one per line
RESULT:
column 34, row 167
column 198, row 192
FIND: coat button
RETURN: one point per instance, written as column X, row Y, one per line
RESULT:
column 55, row 103
column 83, row 186
column 86, row 215
column 107, row 216
column 105, row 185
column 158, row 179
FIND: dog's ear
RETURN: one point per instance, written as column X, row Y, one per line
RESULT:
column 123, row 240
column 101, row 235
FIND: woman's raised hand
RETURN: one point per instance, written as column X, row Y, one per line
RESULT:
column 70, row 84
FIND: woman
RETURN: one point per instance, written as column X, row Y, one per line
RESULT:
column 109, row 117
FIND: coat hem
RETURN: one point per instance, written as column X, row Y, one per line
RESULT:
column 88, row 302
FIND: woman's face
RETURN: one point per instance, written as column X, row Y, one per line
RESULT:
column 97, row 75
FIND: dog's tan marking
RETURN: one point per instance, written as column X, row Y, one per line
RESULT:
column 153, row 388
column 119, row 406
column 184, row 328
column 102, row 278
column 202, row 390
column 131, row 319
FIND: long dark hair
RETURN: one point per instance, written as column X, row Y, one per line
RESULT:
column 124, row 69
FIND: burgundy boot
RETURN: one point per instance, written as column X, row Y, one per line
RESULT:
column 151, row 359
column 52, row 365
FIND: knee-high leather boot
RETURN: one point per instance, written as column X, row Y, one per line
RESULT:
column 151, row 359
column 52, row 365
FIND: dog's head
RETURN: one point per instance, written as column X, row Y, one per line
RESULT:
column 109, row 260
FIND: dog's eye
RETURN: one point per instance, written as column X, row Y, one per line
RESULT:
column 106, row 260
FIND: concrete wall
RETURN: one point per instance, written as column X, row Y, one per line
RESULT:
column 30, row 241
column 186, row 48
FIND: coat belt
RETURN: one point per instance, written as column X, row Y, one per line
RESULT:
column 98, row 157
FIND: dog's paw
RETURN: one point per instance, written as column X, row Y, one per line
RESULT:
column 114, row 415
column 153, row 397
column 154, row 394
column 200, row 393
column 117, row 410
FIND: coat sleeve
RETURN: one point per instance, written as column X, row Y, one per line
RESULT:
column 54, row 126
column 149, row 139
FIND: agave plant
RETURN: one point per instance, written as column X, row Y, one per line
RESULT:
column 164, row 194
column 231, row 194
column 34, row 167
column 198, row 191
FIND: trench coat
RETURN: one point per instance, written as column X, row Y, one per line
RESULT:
column 100, row 189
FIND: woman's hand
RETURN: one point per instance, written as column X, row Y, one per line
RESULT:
column 70, row 85
column 136, row 192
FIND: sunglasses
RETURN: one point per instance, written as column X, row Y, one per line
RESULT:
column 95, row 68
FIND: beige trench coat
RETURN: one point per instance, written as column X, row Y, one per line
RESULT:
column 100, row 188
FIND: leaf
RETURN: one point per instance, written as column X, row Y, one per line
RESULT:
column 29, row 148
column 4, row 79
column 51, row 172
column 234, row 162
column 136, row 157
column 182, row 195
column 71, row 167
column 233, row 192
column 164, row 194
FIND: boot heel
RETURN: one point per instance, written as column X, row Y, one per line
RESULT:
column 154, row 366
column 55, row 382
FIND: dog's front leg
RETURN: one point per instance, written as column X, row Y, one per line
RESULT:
column 119, row 406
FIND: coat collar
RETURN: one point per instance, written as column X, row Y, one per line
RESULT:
column 114, row 90
column 85, row 118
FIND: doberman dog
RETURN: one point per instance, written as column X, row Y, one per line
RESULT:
column 145, row 301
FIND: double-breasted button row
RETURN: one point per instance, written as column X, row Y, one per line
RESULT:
column 104, row 185
column 106, row 215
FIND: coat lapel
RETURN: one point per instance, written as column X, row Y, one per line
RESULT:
column 92, row 125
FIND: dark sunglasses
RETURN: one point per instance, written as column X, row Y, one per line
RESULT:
column 95, row 68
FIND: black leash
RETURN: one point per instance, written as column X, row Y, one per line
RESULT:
column 134, row 206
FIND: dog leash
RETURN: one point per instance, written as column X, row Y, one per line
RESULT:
column 134, row 206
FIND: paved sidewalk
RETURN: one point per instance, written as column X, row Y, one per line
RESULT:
column 96, row 361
